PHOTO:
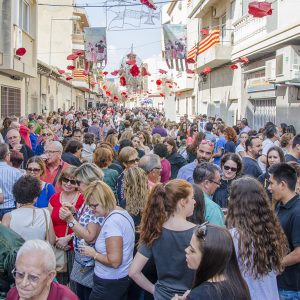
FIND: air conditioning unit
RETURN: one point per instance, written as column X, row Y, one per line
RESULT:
column 288, row 64
column 271, row 70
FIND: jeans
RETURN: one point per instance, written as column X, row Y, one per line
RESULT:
column 289, row 295
column 83, row 292
column 110, row 289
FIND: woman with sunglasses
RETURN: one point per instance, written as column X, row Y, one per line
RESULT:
column 164, row 234
column 192, row 134
column 231, row 166
column 36, row 168
column 211, row 254
column 259, row 240
column 274, row 156
column 86, row 227
column 47, row 136
column 73, row 199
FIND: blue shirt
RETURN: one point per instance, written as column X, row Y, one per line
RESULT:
column 186, row 172
column 213, row 212
column 220, row 144
column 8, row 177
column 45, row 195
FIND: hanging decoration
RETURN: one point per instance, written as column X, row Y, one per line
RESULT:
column 61, row 71
column 188, row 71
column 260, row 9
column 70, row 67
column 161, row 71
column 21, row 51
column 244, row 60
column 158, row 82
column 190, row 60
column 78, row 52
column 206, row 71
column 104, row 87
column 69, row 78
column 122, row 81
column 148, row 3
column 134, row 71
column 108, row 93
column 175, row 46
column 115, row 73
column 131, row 62
column 105, row 73
column 204, row 31
column 72, row 57
column 233, row 67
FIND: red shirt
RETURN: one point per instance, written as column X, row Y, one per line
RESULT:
column 57, row 292
column 60, row 225
column 50, row 176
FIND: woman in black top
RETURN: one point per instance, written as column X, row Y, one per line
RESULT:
column 231, row 166
column 175, row 159
column 211, row 253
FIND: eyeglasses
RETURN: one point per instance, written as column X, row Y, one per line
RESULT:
column 47, row 134
column 33, row 279
column 12, row 137
column 33, row 170
column 227, row 168
column 93, row 206
column 204, row 142
column 156, row 169
column 51, row 151
column 72, row 181
column 217, row 183
column 201, row 230
column 132, row 161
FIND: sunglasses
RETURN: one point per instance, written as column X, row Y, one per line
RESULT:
column 204, row 142
column 201, row 230
column 132, row 161
column 46, row 134
column 34, row 170
column 227, row 168
column 67, row 180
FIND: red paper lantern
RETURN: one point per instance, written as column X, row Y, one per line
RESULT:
column 170, row 86
column 116, row 97
column 93, row 82
column 105, row 73
column 134, row 71
column 78, row 52
column 161, row 71
column 206, row 70
column 69, row 78
column 158, row 82
column 104, row 87
column 260, row 9
column 189, row 71
column 233, row 67
column 162, row 94
column 204, row 31
column 131, row 62
column 72, row 57
column 244, row 60
column 21, row 51
column 122, row 81
column 115, row 73
column 108, row 93
column 70, row 67
column 61, row 71
column 190, row 61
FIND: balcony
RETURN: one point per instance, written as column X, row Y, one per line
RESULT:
column 249, row 29
column 77, row 38
column 215, row 56
column 184, row 81
column 198, row 8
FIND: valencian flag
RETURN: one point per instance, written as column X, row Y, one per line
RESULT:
column 95, row 46
column 212, row 39
column 175, row 46
column 79, row 74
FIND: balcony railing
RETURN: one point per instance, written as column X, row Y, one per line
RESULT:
column 249, row 29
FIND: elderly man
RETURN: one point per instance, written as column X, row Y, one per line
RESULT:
column 14, row 140
column 204, row 154
column 8, row 177
column 207, row 176
column 151, row 165
column 54, row 164
column 34, row 274
column 24, row 131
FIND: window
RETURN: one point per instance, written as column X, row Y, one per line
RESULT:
column 10, row 101
column 24, row 15
column 245, row 6
column 232, row 9
column 223, row 29
column 80, row 63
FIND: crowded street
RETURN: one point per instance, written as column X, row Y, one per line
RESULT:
column 149, row 150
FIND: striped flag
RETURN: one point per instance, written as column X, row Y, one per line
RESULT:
column 79, row 74
column 212, row 39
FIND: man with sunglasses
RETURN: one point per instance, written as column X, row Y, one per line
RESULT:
column 253, row 151
column 204, row 154
column 207, row 176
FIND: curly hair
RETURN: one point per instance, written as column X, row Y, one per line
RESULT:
column 161, row 204
column 262, row 243
column 135, row 190
column 230, row 134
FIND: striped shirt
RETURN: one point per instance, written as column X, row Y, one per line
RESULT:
column 8, row 177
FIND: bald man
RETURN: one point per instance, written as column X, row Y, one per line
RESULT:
column 15, row 142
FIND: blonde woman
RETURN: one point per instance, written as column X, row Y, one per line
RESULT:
column 114, row 246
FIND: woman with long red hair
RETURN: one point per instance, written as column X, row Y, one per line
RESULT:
column 164, row 234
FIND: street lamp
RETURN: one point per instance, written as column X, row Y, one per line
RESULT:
column 74, row 18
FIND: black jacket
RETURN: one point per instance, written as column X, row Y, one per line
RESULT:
column 176, row 161
column 71, row 159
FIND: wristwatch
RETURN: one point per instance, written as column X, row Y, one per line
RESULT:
column 72, row 224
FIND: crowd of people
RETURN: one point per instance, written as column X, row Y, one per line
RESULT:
column 116, row 204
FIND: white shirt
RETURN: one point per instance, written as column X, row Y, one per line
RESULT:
column 117, row 224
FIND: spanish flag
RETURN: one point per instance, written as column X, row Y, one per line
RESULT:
column 79, row 74
column 212, row 39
